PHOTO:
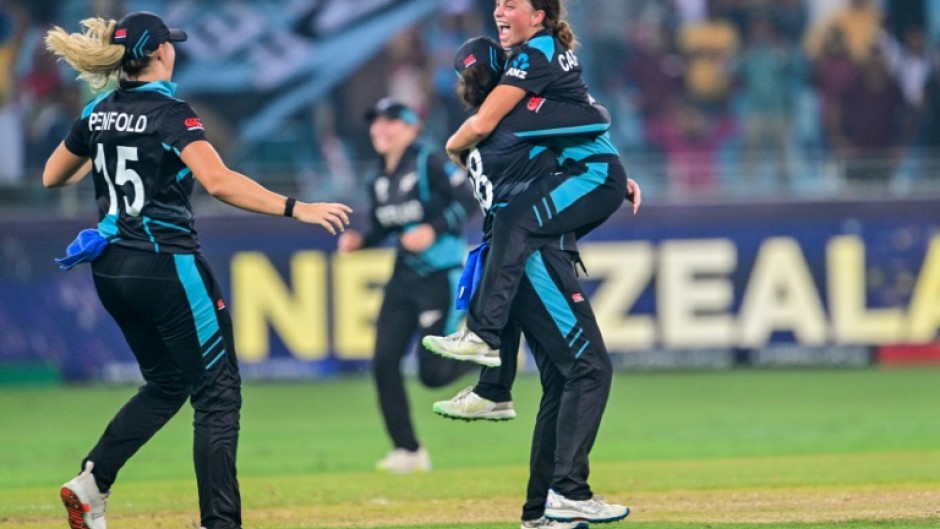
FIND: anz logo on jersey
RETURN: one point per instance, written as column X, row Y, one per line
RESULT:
column 519, row 66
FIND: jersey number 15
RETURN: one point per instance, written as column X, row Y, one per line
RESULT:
column 123, row 175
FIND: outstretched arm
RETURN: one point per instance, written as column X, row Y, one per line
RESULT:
column 554, row 119
column 244, row 193
column 476, row 128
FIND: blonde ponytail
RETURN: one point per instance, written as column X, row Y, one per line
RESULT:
column 91, row 52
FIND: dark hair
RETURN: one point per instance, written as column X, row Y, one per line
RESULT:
column 555, row 14
column 475, row 83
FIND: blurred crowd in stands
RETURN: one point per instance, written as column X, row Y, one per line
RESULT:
column 733, row 93
column 710, row 98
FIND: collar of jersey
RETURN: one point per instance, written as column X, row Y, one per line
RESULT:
column 545, row 32
column 164, row 87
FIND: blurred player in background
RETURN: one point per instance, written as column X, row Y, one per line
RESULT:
column 424, row 201
column 143, row 147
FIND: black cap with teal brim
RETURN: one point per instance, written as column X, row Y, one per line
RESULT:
column 480, row 50
column 392, row 109
column 142, row 32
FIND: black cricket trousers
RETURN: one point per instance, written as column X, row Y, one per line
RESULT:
column 172, row 313
column 413, row 304
column 550, row 308
column 577, row 199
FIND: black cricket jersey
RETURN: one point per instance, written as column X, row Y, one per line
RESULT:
column 514, row 154
column 134, row 136
column 544, row 67
column 424, row 188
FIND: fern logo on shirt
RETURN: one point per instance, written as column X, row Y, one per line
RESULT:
column 519, row 66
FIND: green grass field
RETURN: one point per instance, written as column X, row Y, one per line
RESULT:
column 852, row 449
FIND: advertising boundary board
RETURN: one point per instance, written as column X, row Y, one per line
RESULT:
column 677, row 287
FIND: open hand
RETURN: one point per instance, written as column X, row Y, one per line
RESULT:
column 455, row 156
column 332, row 216
column 419, row 238
column 349, row 241
column 634, row 194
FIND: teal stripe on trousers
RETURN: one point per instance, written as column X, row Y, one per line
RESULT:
column 199, row 301
column 578, row 186
column 552, row 298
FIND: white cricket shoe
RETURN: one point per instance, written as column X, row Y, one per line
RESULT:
column 84, row 502
column 401, row 461
column 545, row 523
column 469, row 406
column 463, row 345
column 560, row 508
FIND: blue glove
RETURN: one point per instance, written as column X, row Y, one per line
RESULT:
column 84, row 249
column 470, row 278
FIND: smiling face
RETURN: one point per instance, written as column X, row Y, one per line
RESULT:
column 391, row 135
column 517, row 21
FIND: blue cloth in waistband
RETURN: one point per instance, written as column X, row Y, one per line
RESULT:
column 84, row 249
column 470, row 278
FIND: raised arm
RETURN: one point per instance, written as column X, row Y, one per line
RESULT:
column 476, row 128
column 545, row 118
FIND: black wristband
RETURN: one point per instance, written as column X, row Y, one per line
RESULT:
column 289, row 207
